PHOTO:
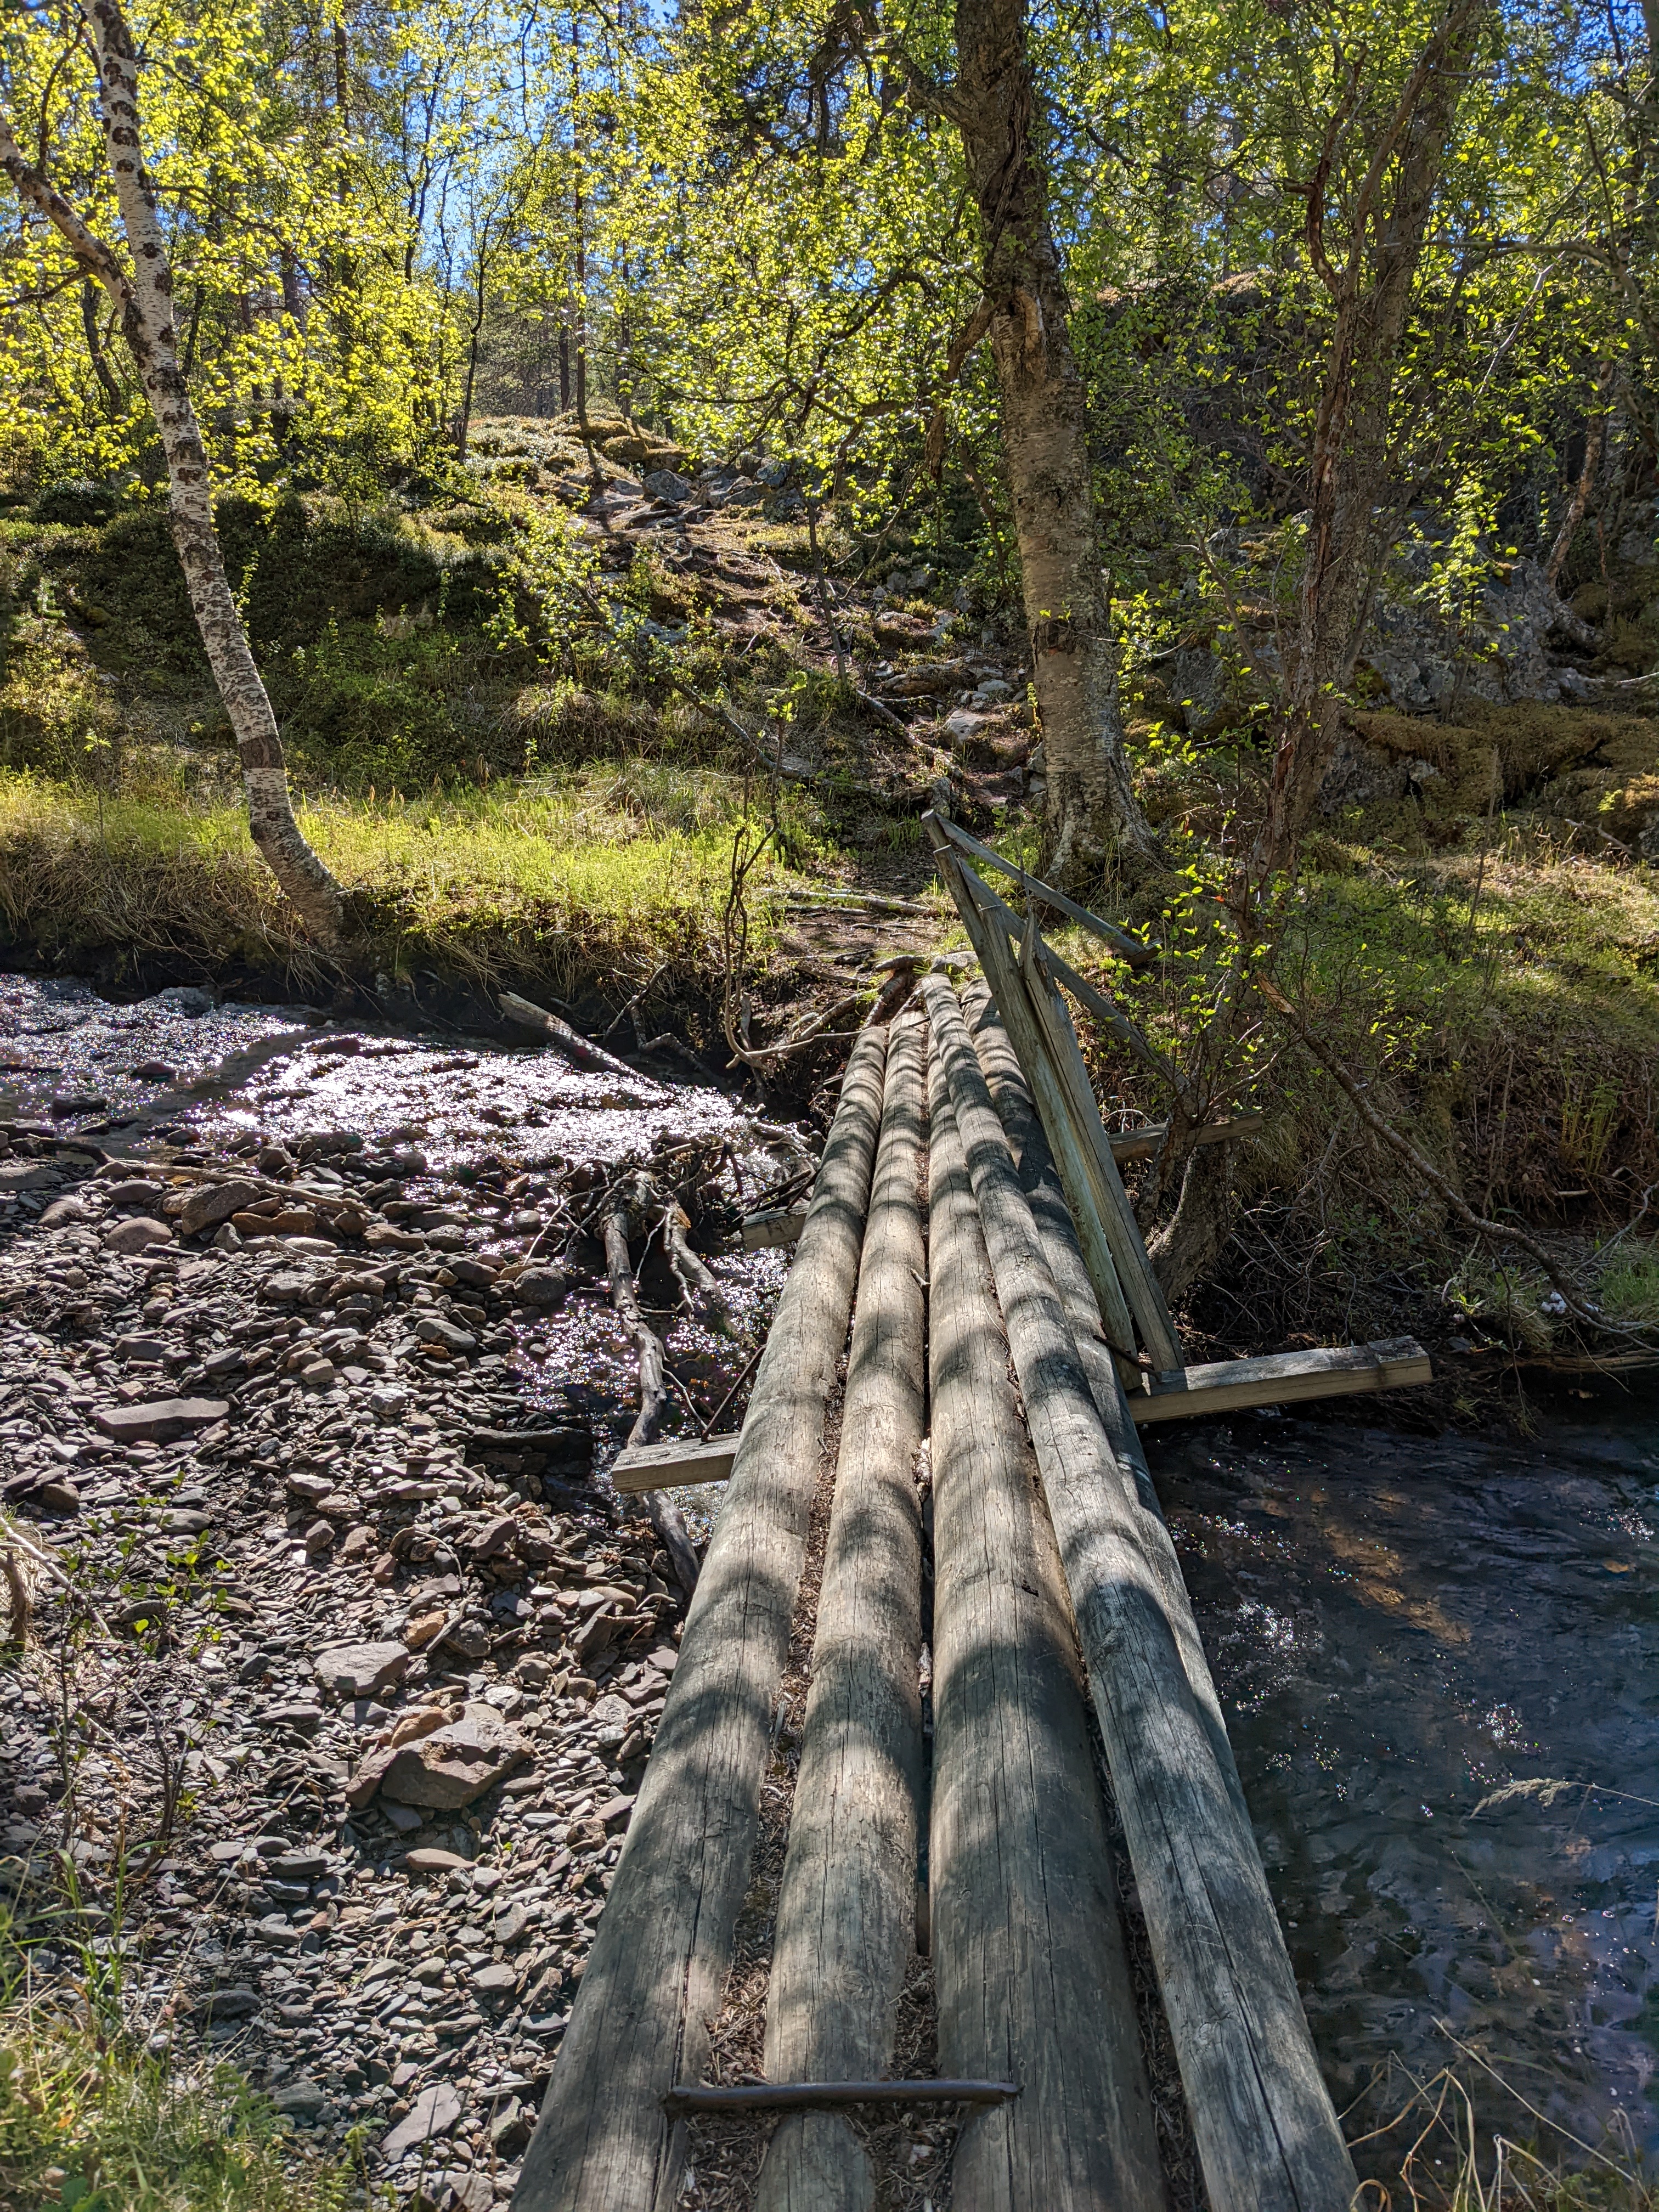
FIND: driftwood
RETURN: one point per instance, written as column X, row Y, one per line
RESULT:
column 1028, row 1958
column 575, row 1046
column 665, row 1516
column 1267, row 2135
column 847, row 1910
column 657, row 1971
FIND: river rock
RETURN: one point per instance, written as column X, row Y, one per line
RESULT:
column 135, row 1234
column 362, row 1670
column 161, row 1420
column 540, row 1286
column 206, row 1207
column 64, row 1211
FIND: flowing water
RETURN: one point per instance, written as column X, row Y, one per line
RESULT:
column 1403, row 1630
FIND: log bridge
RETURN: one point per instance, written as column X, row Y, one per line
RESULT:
column 1008, row 1342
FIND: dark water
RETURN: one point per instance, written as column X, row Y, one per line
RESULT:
column 1400, row 1628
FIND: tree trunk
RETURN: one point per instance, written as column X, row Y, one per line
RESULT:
column 144, row 302
column 1092, row 801
column 1351, row 468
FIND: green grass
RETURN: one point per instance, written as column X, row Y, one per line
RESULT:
column 581, row 872
column 107, row 2128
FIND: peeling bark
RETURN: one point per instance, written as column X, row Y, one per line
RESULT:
column 143, row 300
column 1091, row 802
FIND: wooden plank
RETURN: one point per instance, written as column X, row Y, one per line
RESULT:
column 1267, row 2133
column 846, row 1907
column 1140, row 1144
column 1075, row 1166
column 1135, row 1270
column 1126, row 947
column 657, row 1971
column 772, row 1225
column 1287, row 1378
column 1028, row 1956
column 1128, row 1033
column 680, row 1463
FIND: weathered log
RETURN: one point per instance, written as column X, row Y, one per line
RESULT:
column 1041, row 1182
column 846, row 1922
column 657, row 1971
column 1027, row 1955
column 665, row 1516
column 580, row 1051
column 1267, row 2135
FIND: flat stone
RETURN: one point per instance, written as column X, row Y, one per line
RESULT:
column 430, row 1860
column 362, row 1670
column 301, row 2101
column 430, row 1329
column 298, row 1866
column 135, row 1234
column 296, row 1714
column 212, row 1203
column 277, row 1929
column 286, row 1288
column 27, row 1175
column 493, row 1983
column 434, row 2113
column 161, row 1420
column 228, row 2004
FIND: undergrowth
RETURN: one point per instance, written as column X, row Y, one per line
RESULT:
column 98, row 2124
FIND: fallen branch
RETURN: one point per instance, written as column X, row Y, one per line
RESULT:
column 592, row 1059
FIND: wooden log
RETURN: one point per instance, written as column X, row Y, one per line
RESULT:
column 1267, row 2135
column 1141, row 1285
column 1042, row 1186
column 846, row 1909
column 657, row 1971
column 1289, row 1378
column 580, row 1051
column 1027, row 1955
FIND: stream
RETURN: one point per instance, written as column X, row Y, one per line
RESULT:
column 1439, row 1658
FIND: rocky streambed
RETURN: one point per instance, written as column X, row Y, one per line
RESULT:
column 345, row 1659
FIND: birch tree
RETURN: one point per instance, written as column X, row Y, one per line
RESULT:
column 142, row 295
